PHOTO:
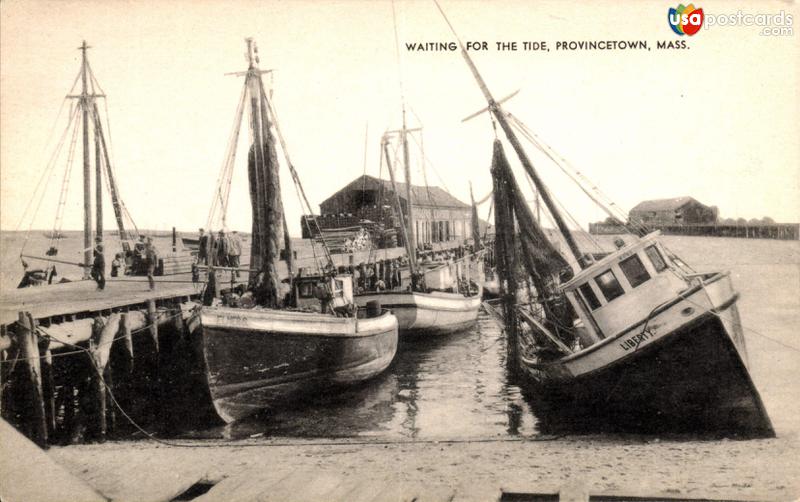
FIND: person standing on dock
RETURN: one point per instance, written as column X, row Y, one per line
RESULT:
column 151, row 260
column 234, row 252
column 202, row 248
column 98, row 272
column 223, row 246
column 118, row 265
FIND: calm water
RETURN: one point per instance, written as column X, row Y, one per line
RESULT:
column 453, row 386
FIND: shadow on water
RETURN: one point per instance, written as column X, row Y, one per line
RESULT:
column 445, row 387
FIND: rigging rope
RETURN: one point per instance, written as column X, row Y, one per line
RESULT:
column 44, row 180
column 298, row 185
column 55, row 237
column 223, row 186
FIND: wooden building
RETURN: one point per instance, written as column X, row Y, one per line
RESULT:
column 676, row 211
column 438, row 216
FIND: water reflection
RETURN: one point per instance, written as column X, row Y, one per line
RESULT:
column 447, row 387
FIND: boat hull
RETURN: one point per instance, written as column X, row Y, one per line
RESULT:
column 427, row 314
column 255, row 359
column 693, row 379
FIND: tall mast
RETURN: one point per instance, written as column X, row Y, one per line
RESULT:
column 98, row 186
column 407, row 165
column 87, row 174
column 116, row 204
column 409, row 249
column 500, row 115
column 257, row 188
column 541, row 189
column 264, row 191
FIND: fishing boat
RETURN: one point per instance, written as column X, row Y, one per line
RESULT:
column 261, row 347
column 440, row 297
column 635, row 340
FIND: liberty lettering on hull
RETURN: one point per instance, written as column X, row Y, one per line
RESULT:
column 634, row 341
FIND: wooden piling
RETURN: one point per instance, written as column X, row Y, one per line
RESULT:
column 100, row 348
column 125, row 335
column 29, row 351
column 48, row 388
column 152, row 321
column 5, row 344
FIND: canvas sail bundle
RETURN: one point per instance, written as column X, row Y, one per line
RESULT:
column 541, row 260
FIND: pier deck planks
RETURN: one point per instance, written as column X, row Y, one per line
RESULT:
column 83, row 296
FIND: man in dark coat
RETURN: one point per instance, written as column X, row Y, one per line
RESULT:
column 223, row 246
column 151, row 261
column 98, row 272
column 202, row 250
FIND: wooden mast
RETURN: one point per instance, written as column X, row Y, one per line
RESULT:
column 256, row 179
column 98, row 184
column 500, row 115
column 264, row 191
column 116, row 204
column 409, row 201
column 87, row 174
column 403, row 227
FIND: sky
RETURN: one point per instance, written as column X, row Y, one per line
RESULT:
column 717, row 121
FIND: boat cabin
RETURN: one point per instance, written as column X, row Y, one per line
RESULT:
column 623, row 288
column 312, row 291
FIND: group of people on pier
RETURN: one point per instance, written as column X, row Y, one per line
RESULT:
column 381, row 275
column 222, row 250
column 141, row 260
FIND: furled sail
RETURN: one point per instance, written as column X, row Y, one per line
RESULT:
column 541, row 260
column 265, row 199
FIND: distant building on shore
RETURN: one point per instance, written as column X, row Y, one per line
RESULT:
column 676, row 211
column 687, row 216
column 369, row 202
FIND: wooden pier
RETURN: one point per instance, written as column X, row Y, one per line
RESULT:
column 73, row 355
column 779, row 231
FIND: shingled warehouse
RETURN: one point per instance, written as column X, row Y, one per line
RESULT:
column 369, row 202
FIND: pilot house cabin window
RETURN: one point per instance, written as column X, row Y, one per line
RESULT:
column 609, row 285
column 305, row 290
column 634, row 270
column 655, row 258
column 588, row 295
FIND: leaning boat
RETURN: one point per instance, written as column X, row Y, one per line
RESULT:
column 635, row 340
column 260, row 347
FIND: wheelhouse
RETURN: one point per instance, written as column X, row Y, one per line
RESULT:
column 623, row 288
column 311, row 290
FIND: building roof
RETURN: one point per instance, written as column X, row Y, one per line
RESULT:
column 420, row 196
column 664, row 204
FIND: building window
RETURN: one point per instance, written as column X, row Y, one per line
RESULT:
column 634, row 270
column 655, row 258
column 609, row 285
column 589, row 297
